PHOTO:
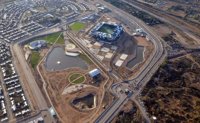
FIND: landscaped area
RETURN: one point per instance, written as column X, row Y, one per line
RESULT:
column 76, row 78
column 34, row 59
column 77, row 26
column 86, row 59
column 53, row 37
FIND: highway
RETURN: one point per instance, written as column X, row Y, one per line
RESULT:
column 173, row 23
column 143, row 77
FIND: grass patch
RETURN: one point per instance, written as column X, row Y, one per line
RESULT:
column 77, row 26
column 34, row 60
column 53, row 37
column 76, row 78
column 79, row 80
column 85, row 58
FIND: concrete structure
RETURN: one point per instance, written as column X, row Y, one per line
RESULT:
column 123, row 56
column 107, row 31
column 71, row 50
column 119, row 63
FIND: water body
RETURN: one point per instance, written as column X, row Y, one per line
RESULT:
column 137, row 59
column 58, row 54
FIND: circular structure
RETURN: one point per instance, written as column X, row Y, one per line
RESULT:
column 70, row 46
column 76, row 78
column 71, row 50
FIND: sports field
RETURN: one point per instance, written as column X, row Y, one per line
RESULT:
column 77, row 26
column 106, row 28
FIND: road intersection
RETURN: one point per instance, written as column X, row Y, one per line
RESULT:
column 135, row 85
column 140, row 80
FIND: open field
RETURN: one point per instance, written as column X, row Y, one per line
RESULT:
column 57, row 83
column 77, row 26
column 79, row 80
column 53, row 37
column 34, row 59
column 85, row 58
column 76, row 78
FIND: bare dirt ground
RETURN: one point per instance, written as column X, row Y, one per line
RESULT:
column 127, row 44
column 148, row 46
column 163, row 30
column 57, row 81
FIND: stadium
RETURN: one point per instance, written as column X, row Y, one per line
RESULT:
column 107, row 31
column 35, row 45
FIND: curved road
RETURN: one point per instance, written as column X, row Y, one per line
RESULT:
column 142, row 78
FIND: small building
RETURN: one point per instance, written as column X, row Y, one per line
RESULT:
column 52, row 111
column 123, row 56
column 119, row 63
column 95, row 73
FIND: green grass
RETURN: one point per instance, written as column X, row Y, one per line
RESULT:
column 79, row 80
column 85, row 58
column 107, row 29
column 76, row 78
column 34, row 60
column 77, row 26
column 51, row 38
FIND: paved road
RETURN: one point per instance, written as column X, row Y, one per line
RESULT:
column 36, row 92
column 41, row 102
column 143, row 77
column 178, row 25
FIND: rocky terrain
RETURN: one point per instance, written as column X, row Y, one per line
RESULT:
column 173, row 94
column 129, row 114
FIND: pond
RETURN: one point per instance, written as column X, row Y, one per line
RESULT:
column 58, row 60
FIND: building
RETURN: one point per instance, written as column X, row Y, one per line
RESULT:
column 35, row 45
column 95, row 73
column 140, row 32
column 107, row 31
